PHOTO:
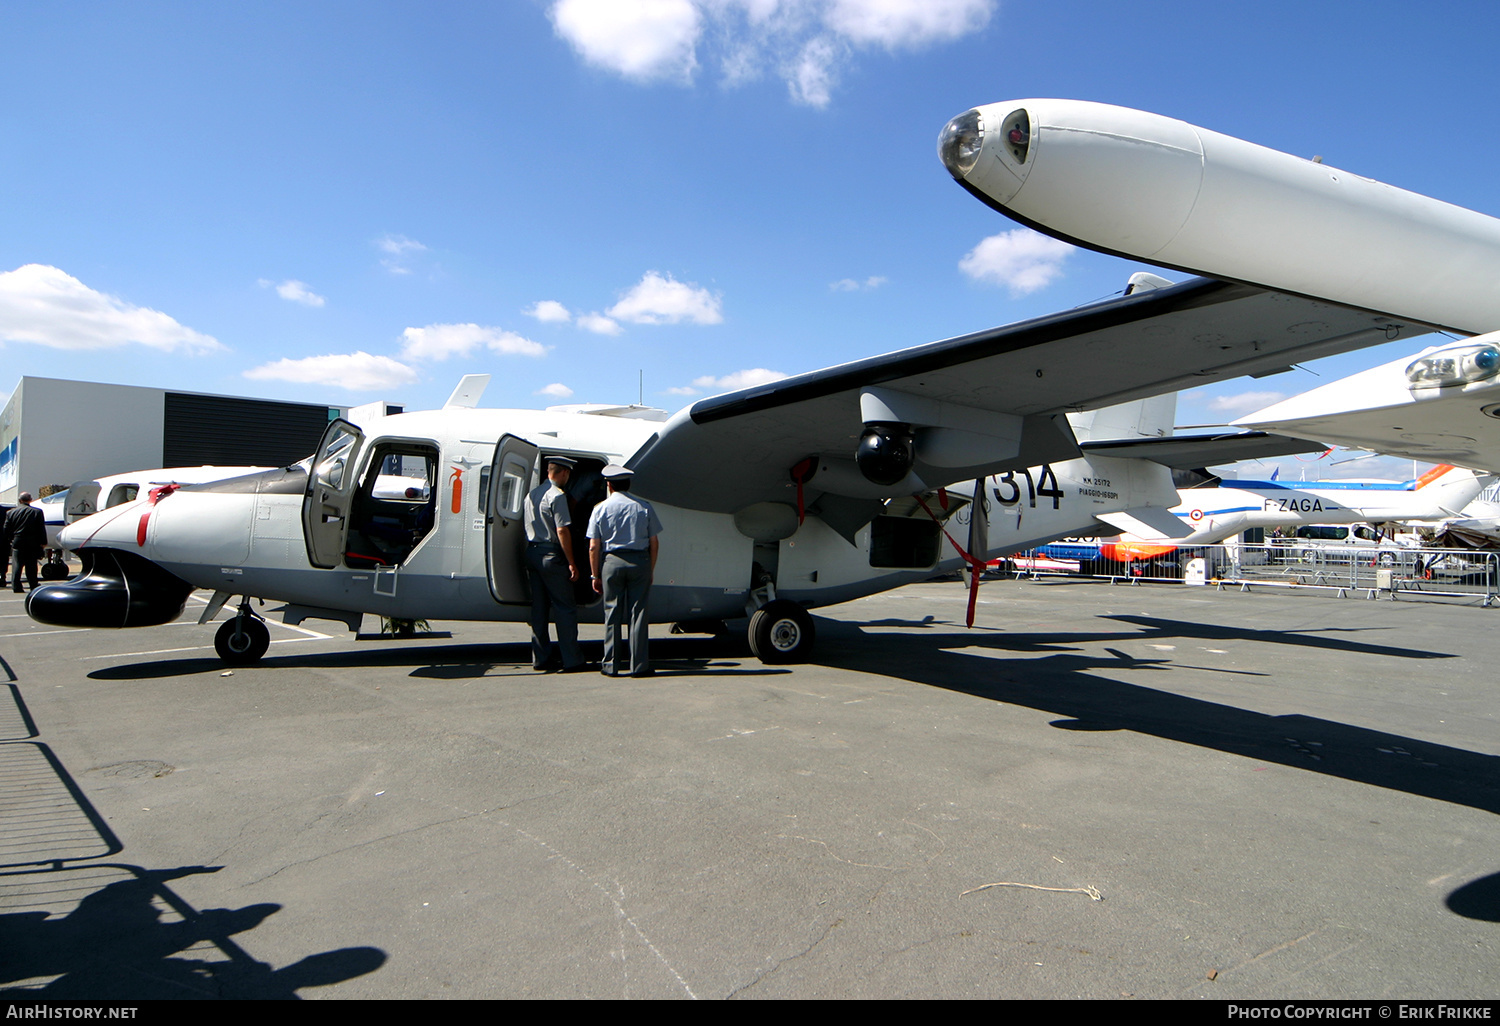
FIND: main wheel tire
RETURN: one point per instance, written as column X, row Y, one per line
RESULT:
column 781, row 632
column 242, row 641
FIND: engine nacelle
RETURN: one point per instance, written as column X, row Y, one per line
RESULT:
column 115, row 589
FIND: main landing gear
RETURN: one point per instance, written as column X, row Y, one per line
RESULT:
column 781, row 632
column 244, row 639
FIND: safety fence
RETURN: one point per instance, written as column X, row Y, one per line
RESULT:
column 1369, row 572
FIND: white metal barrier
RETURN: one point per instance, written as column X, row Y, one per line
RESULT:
column 1290, row 563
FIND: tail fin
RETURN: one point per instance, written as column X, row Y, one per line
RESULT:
column 1143, row 418
column 1434, row 474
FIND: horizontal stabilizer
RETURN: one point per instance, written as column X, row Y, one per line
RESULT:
column 1185, row 452
column 1147, row 522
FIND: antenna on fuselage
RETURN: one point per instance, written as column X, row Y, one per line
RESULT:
column 466, row 395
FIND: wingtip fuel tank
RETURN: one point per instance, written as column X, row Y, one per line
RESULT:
column 1153, row 188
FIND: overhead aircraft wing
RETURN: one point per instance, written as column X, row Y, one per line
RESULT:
column 1187, row 452
column 992, row 400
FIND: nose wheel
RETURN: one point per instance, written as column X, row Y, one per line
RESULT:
column 243, row 640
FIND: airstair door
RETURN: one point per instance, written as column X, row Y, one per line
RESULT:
column 331, row 483
column 512, row 474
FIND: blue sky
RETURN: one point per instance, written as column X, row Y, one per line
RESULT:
column 283, row 200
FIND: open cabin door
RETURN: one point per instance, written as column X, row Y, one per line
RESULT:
column 511, row 474
column 331, row 484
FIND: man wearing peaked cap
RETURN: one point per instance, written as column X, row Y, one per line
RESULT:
column 552, row 565
column 623, row 548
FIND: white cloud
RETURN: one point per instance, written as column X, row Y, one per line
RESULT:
column 1022, row 259
column 598, row 324
column 1245, row 402
column 640, row 39
column 556, row 390
column 850, row 285
column 440, row 341
column 811, row 78
column 894, row 24
column 658, row 300
column 49, row 307
column 357, row 372
column 548, row 311
column 729, row 382
column 294, row 291
column 399, row 251
column 804, row 41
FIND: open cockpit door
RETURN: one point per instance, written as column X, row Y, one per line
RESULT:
column 511, row 475
column 331, row 484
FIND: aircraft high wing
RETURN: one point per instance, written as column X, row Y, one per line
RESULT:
column 987, row 402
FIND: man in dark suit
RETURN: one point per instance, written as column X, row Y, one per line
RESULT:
column 26, row 530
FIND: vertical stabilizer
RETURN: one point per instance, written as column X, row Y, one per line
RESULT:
column 466, row 395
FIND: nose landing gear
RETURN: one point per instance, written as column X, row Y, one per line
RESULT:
column 244, row 639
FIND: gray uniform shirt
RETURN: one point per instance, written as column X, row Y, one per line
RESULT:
column 546, row 510
column 624, row 522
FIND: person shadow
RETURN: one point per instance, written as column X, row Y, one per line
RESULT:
column 137, row 938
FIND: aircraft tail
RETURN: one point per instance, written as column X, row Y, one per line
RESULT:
column 1142, row 418
column 1452, row 488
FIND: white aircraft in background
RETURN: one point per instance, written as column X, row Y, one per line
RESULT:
column 814, row 489
column 1234, row 506
column 87, row 497
column 1441, row 404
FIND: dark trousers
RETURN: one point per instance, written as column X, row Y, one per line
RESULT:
column 23, row 559
column 551, row 599
column 627, row 586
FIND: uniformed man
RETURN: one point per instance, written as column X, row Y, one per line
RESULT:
column 622, row 555
column 551, row 569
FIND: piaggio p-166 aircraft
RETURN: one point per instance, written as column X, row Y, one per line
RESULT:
column 803, row 492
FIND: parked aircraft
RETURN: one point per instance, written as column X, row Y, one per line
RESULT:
column 1440, row 404
column 1234, row 505
column 84, row 498
column 1212, row 514
column 807, row 491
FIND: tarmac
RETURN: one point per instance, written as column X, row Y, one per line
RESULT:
column 1098, row 791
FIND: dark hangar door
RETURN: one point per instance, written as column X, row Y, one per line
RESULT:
column 221, row 431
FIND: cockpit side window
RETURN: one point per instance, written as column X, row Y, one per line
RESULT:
column 395, row 506
column 122, row 493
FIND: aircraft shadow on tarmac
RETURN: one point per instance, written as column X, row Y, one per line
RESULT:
column 1067, row 681
column 133, row 937
column 698, row 656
